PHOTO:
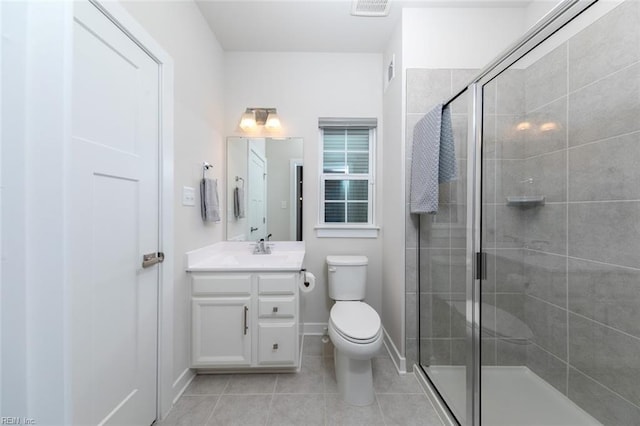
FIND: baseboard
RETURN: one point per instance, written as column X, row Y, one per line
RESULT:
column 443, row 412
column 399, row 361
column 182, row 382
column 314, row 328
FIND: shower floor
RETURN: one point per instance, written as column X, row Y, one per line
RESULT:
column 511, row 396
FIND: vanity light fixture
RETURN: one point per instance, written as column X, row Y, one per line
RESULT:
column 254, row 117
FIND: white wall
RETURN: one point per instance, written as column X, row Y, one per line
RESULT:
column 393, row 254
column 303, row 87
column 458, row 37
column 198, row 61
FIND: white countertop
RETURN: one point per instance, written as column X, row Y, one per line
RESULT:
column 238, row 256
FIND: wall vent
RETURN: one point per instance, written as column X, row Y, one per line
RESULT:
column 370, row 7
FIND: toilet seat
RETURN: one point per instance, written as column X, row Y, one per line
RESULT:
column 357, row 341
column 355, row 321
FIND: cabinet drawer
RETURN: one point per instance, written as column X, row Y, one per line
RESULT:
column 277, row 343
column 277, row 307
column 277, row 283
column 221, row 284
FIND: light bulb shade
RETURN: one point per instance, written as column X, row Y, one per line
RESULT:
column 273, row 121
column 248, row 120
column 254, row 117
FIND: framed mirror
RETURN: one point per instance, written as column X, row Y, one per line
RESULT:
column 264, row 188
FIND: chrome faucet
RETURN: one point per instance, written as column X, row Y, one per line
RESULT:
column 261, row 247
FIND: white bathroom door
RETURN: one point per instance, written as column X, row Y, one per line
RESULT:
column 257, row 196
column 112, row 188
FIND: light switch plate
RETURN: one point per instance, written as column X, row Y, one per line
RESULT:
column 283, row 204
column 188, row 196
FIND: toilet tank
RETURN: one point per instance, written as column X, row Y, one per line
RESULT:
column 347, row 277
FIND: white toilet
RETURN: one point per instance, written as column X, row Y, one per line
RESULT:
column 354, row 328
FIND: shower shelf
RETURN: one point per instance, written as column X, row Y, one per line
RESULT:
column 525, row 201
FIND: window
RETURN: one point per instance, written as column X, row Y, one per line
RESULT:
column 347, row 177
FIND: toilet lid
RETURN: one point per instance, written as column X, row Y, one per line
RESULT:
column 356, row 320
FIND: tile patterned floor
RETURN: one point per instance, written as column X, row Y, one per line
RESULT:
column 307, row 398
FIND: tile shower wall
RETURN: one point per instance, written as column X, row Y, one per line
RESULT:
column 441, row 259
column 566, row 275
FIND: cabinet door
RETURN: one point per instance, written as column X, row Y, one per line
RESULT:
column 277, row 343
column 221, row 331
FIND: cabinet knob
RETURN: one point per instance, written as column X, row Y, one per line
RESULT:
column 275, row 346
column 275, row 309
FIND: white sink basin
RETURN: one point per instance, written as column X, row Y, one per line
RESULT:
column 237, row 256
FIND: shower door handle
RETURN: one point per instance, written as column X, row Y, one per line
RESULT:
column 481, row 266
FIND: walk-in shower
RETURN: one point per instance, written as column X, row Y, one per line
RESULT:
column 528, row 301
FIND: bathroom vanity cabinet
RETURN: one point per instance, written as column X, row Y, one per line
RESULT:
column 245, row 319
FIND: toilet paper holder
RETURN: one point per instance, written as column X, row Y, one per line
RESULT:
column 306, row 283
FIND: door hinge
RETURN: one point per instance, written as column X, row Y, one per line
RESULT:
column 264, row 220
column 480, row 266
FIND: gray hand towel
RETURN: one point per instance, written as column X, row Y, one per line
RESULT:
column 433, row 160
column 209, row 203
column 238, row 203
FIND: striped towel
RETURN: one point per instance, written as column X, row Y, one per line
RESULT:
column 433, row 160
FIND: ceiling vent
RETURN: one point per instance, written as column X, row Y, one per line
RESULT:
column 370, row 7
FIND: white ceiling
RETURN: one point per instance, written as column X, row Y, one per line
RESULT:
column 312, row 25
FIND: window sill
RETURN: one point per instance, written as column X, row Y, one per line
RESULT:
column 347, row 231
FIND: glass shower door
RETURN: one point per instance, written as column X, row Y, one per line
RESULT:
column 444, row 340
column 560, row 208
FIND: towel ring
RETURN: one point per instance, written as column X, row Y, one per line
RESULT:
column 239, row 178
column 206, row 166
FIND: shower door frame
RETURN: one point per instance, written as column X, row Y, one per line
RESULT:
column 555, row 20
